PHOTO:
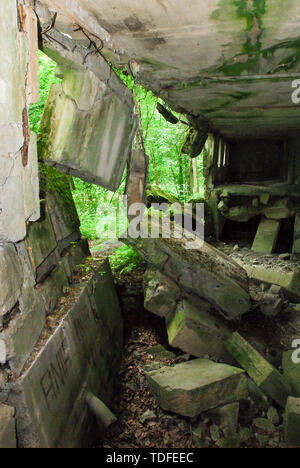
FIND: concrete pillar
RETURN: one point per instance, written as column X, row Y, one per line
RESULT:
column 19, row 195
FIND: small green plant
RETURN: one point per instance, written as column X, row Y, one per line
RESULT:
column 125, row 259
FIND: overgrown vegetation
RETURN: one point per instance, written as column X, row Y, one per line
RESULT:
column 125, row 259
column 169, row 169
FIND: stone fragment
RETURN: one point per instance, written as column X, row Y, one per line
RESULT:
column 292, row 422
column 196, row 386
column 11, row 279
column 281, row 209
column 159, row 352
column 60, row 203
column 197, row 268
column 41, row 244
column 195, row 331
column 86, row 130
column 266, row 377
column 147, row 416
column 265, row 198
column 291, row 372
column 161, row 293
column 258, row 397
column 289, row 281
column 271, row 304
column 266, row 236
column 273, row 416
column 8, row 438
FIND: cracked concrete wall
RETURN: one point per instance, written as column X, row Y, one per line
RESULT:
column 19, row 193
column 40, row 240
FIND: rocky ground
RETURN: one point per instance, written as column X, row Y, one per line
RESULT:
column 143, row 424
column 284, row 263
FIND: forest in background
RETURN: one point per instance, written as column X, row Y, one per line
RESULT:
column 171, row 170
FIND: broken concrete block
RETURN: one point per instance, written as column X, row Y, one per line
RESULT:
column 197, row 386
column 86, row 130
column 199, row 269
column 265, row 198
column 81, row 356
column 41, row 244
column 271, row 304
column 291, row 372
column 59, row 203
column 266, row 236
column 281, row 209
column 289, row 281
column 292, row 422
column 296, row 244
column 196, row 332
column 24, row 328
column 11, row 279
column 8, row 438
column 266, row 377
column 161, row 293
column 31, row 186
column 52, row 288
column 258, row 397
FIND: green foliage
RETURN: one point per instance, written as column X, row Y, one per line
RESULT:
column 125, row 259
column 47, row 78
column 89, row 199
column 163, row 144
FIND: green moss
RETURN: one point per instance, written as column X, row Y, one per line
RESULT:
column 59, row 184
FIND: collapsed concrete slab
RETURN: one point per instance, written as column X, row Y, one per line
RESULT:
column 292, row 422
column 196, row 386
column 193, row 330
column 88, row 127
column 161, row 293
column 11, row 279
column 289, row 281
column 81, row 356
column 201, row 269
column 266, row 377
column 266, row 237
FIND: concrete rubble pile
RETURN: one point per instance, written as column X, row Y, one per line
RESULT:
column 203, row 296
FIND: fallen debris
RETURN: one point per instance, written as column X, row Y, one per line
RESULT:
column 203, row 271
column 193, row 330
column 266, row 377
column 190, row 388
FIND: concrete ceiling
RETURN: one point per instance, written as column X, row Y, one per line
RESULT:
column 229, row 62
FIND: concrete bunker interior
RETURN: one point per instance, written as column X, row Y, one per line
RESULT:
column 225, row 314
